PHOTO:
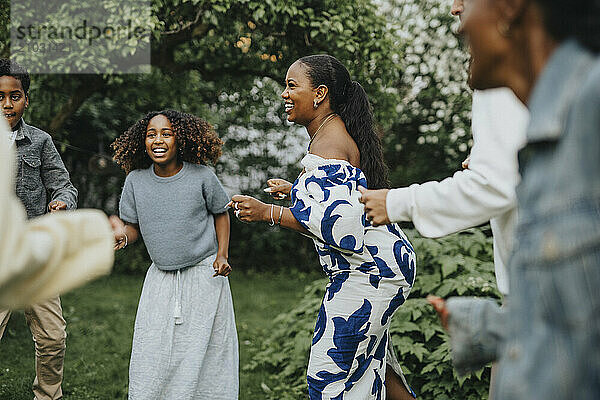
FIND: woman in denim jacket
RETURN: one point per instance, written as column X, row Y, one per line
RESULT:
column 547, row 340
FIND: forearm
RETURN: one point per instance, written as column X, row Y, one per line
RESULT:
column 55, row 177
column 288, row 220
column 222, row 228
column 462, row 201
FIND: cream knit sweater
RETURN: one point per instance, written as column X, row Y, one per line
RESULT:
column 46, row 256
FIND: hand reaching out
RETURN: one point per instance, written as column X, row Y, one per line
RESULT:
column 279, row 188
column 375, row 207
column 118, row 228
column 440, row 307
column 249, row 209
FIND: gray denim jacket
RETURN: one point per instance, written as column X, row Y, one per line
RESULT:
column 41, row 173
column 547, row 338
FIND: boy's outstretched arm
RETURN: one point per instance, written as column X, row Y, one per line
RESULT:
column 222, row 228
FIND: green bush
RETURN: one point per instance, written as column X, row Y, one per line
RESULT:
column 460, row 264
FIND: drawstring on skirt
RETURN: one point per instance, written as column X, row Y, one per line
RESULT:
column 178, row 315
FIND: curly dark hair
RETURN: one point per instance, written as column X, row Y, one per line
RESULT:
column 578, row 19
column 17, row 71
column 197, row 141
column 349, row 100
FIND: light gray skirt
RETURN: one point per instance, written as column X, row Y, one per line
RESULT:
column 185, row 342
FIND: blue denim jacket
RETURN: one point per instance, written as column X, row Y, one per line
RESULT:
column 41, row 173
column 548, row 345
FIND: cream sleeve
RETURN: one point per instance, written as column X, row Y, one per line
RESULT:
column 486, row 189
column 46, row 256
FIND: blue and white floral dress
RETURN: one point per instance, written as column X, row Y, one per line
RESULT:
column 371, row 272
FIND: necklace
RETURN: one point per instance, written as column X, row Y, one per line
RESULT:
column 326, row 120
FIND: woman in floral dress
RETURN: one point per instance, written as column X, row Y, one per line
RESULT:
column 371, row 269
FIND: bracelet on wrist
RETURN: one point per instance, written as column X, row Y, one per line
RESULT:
column 280, row 215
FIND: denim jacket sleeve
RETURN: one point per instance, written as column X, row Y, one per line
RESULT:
column 476, row 331
column 56, row 177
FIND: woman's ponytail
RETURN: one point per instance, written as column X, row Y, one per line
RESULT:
column 358, row 117
column 349, row 100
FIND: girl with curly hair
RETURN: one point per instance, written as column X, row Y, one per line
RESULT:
column 185, row 341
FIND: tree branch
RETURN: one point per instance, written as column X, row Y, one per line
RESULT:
column 89, row 84
column 162, row 51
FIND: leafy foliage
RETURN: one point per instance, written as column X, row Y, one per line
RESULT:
column 428, row 136
column 224, row 60
column 460, row 264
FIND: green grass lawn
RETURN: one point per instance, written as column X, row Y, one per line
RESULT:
column 100, row 320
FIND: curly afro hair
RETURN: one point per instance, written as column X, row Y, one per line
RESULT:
column 197, row 142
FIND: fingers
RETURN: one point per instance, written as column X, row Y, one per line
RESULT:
column 238, row 214
column 439, row 305
column 363, row 191
column 56, row 205
column 239, row 198
column 223, row 269
column 119, row 243
column 436, row 301
column 278, row 192
column 466, row 162
column 242, row 215
column 239, row 202
column 277, row 182
column 277, row 188
column 118, row 228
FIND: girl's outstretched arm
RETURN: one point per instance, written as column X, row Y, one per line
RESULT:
column 221, row 265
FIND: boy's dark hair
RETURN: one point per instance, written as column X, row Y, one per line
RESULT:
column 17, row 71
column 197, row 142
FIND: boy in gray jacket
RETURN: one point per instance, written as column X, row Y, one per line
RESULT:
column 42, row 185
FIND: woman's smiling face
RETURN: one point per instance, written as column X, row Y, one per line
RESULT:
column 298, row 95
column 161, row 145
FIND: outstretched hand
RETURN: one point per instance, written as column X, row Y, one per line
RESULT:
column 118, row 227
column 440, row 307
column 278, row 188
column 249, row 209
column 375, row 207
